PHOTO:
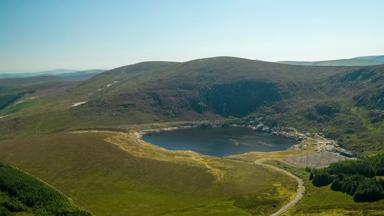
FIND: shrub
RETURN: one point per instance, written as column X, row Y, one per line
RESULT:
column 356, row 178
column 353, row 167
column 24, row 190
column 311, row 176
column 380, row 172
column 321, row 178
column 4, row 211
column 368, row 190
column 14, row 205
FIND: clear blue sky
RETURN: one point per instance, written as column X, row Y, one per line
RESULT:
column 82, row 34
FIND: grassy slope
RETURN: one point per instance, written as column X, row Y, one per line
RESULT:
column 34, row 94
column 194, row 75
column 21, row 194
column 161, row 91
column 108, row 181
column 351, row 128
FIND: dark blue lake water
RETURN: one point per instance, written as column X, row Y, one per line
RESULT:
column 219, row 141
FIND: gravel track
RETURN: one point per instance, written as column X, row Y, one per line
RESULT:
column 300, row 187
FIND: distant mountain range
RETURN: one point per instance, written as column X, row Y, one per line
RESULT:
column 357, row 61
column 64, row 73
column 86, row 74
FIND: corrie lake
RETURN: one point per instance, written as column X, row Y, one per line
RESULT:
column 219, row 141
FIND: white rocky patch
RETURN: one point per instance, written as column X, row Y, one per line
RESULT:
column 107, row 86
column 78, row 103
column 1, row 117
column 111, row 84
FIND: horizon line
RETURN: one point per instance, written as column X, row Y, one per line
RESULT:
column 70, row 69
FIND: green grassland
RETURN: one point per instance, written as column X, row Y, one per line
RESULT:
column 324, row 201
column 107, row 180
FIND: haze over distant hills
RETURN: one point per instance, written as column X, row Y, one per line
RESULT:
column 65, row 73
column 357, row 61
column 86, row 74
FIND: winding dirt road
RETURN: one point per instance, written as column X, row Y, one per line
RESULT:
column 300, row 187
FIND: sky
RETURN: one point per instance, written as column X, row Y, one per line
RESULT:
column 86, row 34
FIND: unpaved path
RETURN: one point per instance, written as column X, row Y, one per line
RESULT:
column 300, row 187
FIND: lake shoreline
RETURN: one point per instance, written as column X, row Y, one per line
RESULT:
column 322, row 144
column 217, row 141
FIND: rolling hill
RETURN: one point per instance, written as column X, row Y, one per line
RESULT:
column 64, row 73
column 200, row 86
column 311, row 98
column 357, row 61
